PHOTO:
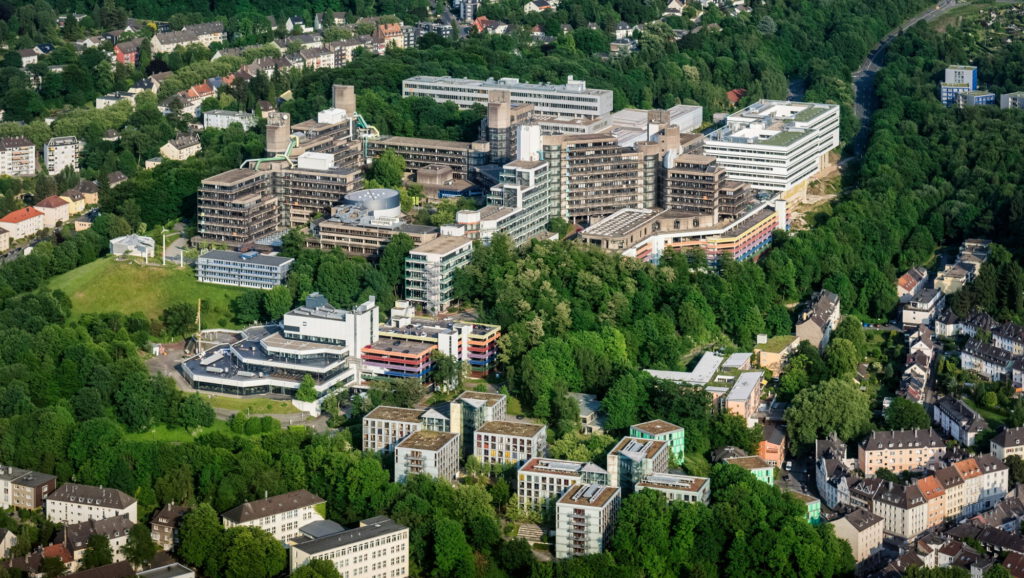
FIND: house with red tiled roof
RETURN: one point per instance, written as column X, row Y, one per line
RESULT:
column 23, row 223
column 389, row 35
column 735, row 95
column 55, row 210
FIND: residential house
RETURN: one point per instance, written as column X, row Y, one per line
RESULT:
column 389, row 35
column 24, row 489
column 5, row 240
column 74, row 503
column 902, row 508
column 772, row 447
column 60, row 153
column 584, row 518
column 281, row 516
column 832, row 472
column 127, row 52
column 431, row 453
column 761, row 469
column 8, row 540
column 537, row 6
column 184, row 146
column 509, row 442
column 1009, row 337
column 900, row 451
column 23, row 223
column 811, row 504
column 297, row 24
column 116, row 178
column 911, row 283
column 935, row 496
column 958, row 420
column 591, row 420
column 819, row 319
column 1009, row 441
column 922, row 308
column 28, row 56
column 55, row 210
column 864, row 532
column 17, row 157
column 744, row 397
column 113, row 98
column 75, row 537
column 165, row 524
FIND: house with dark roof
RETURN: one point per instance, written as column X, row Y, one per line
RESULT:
column 74, row 503
column 1009, row 441
column 864, row 532
column 164, row 525
column 959, row 421
column 75, row 537
column 819, row 319
column 900, row 450
column 281, row 515
column 378, row 538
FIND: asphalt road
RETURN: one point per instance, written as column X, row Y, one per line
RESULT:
column 864, row 77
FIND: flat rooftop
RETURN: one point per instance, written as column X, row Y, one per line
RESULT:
column 656, row 427
column 511, row 428
column 529, row 165
column 234, row 176
column 442, row 245
column 748, row 462
column 622, row 222
column 571, row 86
column 249, row 257
column 638, row 447
column 406, row 346
column 745, row 386
column 550, row 466
column 673, row 482
column 590, row 495
column 804, row 497
column 409, row 141
column 279, row 341
column 390, row 413
column 489, row 399
column 427, row 440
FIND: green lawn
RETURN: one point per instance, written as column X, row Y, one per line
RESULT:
column 106, row 285
column 995, row 419
column 254, row 406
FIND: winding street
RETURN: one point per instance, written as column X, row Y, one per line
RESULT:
column 864, row 76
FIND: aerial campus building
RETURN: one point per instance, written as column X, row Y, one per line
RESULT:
column 572, row 99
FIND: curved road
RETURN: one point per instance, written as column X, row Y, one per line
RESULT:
column 864, row 77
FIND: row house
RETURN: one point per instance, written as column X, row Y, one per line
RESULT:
column 74, row 503
column 281, row 516
column 988, row 361
column 832, row 471
column 75, row 537
column 958, row 421
column 55, row 211
column 863, row 530
column 1009, row 337
column 22, row 223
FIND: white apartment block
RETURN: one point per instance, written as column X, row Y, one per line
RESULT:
column 584, row 517
column 378, row 548
column 17, row 157
column 776, row 146
column 509, row 442
column 224, row 118
column 281, row 516
column 76, row 503
column 632, row 459
column 61, row 152
column 678, row 488
column 24, row 488
column 431, row 453
column 572, row 99
column 249, row 269
column 430, row 271
column 541, row 479
column 1008, row 442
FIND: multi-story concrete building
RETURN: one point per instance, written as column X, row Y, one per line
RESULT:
column 697, row 184
column 315, row 340
column 165, row 524
column 572, row 99
column 1009, row 441
column 364, row 223
column 542, row 480
column 678, row 488
column 864, row 532
column 648, row 233
column 509, row 442
column 594, row 176
column 74, row 503
column 17, row 157
column 935, row 496
column 632, row 459
column 463, row 157
column 281, row 516
column 776, row 146
column 430, row 271
column 922, row 308
column 238, row 207
column 249, row 269
column 958, row 420
column 520, row 205
column 224, row 118
column 385, row 426
column 584, row 518
column 744, row 396
column 662, row 430
column 958, row 79
column 61, row 152
column 378, row 547
column 899, row 451
column 1011, row 100
column 24, row 488
column 431, row 453
column 472, row 409
column 903, row 509
column 817, row 321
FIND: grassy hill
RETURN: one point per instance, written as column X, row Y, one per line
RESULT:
column 108, row 285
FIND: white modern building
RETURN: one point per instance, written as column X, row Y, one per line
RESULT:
column 633, row 459
column 315, row 339
column 379, row 547
column 678, row 488
column 61, row 152
column 133, row 246
column 430, row 271
column 281, row 516
column 250, row 269
column 584, row 518
column 542, row 479
column 572, row 99
column 431, row 453
column 75, row 503
column 225, row 118
column 776, row 146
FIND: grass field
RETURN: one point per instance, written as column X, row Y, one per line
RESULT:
column 162, row 433
column 107, row 285
column 254, row 406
